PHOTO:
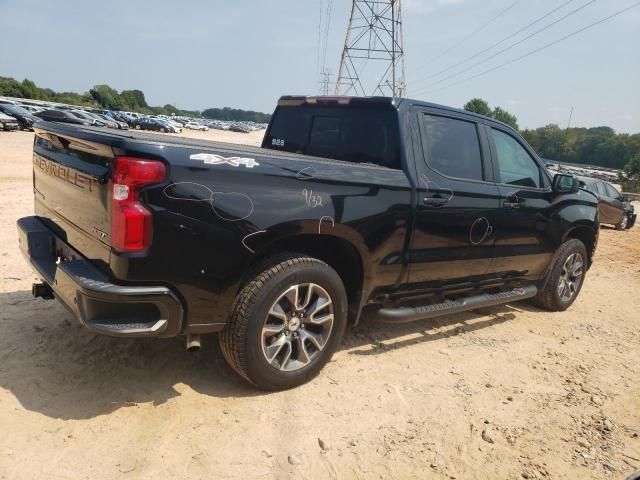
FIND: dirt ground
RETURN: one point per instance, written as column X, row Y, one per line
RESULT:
column 502, row 393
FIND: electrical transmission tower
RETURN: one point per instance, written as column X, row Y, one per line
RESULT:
column 325, row 82
column 373, row 50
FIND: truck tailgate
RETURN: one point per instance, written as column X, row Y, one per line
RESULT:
column 72, row 183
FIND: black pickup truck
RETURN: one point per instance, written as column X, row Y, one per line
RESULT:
column 408, row 209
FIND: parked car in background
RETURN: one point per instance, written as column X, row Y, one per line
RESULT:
column 63, row 116
column 196, row 126
column 239, row 127
column 177, row 126
column 25, row 119
column 88, row 117
column 115, row 123
column 121, row 117
column 151, row 124
column 32, row 109
column 613, row 207
column 8, row 123
column 107, row 122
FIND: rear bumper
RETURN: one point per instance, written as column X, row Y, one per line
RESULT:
column 101, row 306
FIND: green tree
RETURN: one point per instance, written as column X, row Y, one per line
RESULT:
column 505, row 117
column 479, row 106
column 106, row 97
column 630, row 176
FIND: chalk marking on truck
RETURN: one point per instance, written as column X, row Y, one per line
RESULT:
column 211, row 199
column 215, row 210
column 208, row 199
column 251, row 235
column 488, row 230
column 424, row 179
column 322, row 219
column 311, row 200
column 307, row 173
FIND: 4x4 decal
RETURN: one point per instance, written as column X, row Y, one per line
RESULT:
column 213, row 159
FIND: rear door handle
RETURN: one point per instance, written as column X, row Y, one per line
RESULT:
column 512, row 201
column 435, row 201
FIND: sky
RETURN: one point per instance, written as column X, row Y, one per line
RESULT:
column 246, row 53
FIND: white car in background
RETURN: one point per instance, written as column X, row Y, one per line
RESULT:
column 177, row 127
column 196, row 126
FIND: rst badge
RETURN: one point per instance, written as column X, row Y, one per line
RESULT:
column 213, row 159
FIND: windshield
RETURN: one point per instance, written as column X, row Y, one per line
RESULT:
column 352, row 134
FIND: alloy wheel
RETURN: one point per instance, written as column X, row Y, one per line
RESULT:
column 570, row 277
column 624, row 222
column 298, row 327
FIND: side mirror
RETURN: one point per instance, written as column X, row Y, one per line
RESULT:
column 563, row 183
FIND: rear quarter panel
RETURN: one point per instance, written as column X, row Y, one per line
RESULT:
column 212, row 220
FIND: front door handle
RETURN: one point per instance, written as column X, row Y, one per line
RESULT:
column 435, row 201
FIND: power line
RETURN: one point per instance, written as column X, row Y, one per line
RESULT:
column 326, row 33
column 471, row 34
column 546, row 27
column 318, row 53
column 538, row 49
column 538, row 20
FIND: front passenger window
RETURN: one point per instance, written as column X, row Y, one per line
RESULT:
column 612, row 192
column 516, row 166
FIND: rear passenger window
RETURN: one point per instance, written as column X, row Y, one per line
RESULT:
column 516, row 166
column 452, row 147
column 601, row 190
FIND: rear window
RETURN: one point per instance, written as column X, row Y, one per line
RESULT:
column 352, row 134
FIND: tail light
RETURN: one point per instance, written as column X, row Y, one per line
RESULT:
column 131, row 222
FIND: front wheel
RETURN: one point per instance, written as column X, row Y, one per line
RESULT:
column 137, row 127
column 623, row 223
column 565, row 278
column 286, row 322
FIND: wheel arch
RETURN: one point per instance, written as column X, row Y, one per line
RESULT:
column 340, row 254
column 588, row 235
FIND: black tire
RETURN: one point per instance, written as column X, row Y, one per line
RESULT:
column 549, row 297
column 242, row 339
column 137, row 127
column 163, row 130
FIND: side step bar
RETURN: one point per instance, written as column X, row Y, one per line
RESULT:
column 411, row 314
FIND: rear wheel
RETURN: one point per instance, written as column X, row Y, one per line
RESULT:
column 137, row 127
column 286, row 323
column 565, row 278
column 163, row 130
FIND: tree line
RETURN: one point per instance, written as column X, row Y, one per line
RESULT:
column 108, row 98
column 600, row 146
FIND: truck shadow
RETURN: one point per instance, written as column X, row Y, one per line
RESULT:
column 55, row 367
column 372, row 337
